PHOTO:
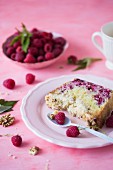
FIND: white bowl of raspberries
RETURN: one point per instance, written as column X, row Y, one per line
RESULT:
column 34, row 49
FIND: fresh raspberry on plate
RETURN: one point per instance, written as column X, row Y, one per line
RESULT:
column 16, row 140
column 9, row 83
column 60, row 118
column 30, row 78
column 72, row 131
column 109, row 122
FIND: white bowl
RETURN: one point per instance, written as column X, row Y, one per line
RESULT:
column 43, row 64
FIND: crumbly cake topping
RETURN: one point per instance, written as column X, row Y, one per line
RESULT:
column 99, row 93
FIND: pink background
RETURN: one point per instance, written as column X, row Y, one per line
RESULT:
column 76, row 20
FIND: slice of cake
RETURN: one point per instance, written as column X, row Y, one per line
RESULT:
column 88, row 101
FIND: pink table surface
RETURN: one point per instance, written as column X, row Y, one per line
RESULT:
column 76, row 20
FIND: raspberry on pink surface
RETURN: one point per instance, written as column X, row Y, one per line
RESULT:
column 9, row 83
column 30, row 78
column 72, row 131
column 72, row 59
column 60, row 118
column 16, row 140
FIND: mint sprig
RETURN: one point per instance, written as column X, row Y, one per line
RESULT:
column 24, row 36
column 84, row 63
column 6, row 106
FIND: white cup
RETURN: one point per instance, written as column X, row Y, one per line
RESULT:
column 106, row 47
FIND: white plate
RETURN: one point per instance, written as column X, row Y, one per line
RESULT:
column 34, row 111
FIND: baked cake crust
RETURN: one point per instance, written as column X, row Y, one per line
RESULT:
column 88, row 101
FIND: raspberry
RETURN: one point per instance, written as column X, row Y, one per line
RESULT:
column 47, row 35
column 60, row 40
column 29, row 58
column 20, row 56
column 13, row 56
column 41, row 52
column 44, row 41
column 47, row 47
column 57, row 46
column 60, row 118
column 72, row 131
column 33, row 51
column 37, row 43
column 19, row 49
column 16, row 140
column 16, row 44
column 34, row 30
column 40, row 58
column 10, row 50
column 49, row 56
column 36, row 35
column 9, row 83
column 109, row 122
column 57, row 51
column 30, row 78
column 72, row 59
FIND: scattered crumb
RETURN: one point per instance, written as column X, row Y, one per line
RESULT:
column 47, row 165
column 12, row 156
column 7, row 93
column 8, row 135
column 9, row 155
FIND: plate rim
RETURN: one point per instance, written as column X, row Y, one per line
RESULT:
column 33, row 129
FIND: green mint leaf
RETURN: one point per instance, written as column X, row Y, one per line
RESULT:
column 25, row 43
column 24, row 36
column 80, row 67
column 4, row 108
column 6, row 105
column 96, row 59
column 15, row 39
column 85, row 62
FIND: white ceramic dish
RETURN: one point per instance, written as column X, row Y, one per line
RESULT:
column 34, row 111
column 41, row 64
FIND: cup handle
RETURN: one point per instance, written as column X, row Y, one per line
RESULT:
column 97, row 45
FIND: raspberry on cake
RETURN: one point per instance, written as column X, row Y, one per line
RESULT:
column 86, row 100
